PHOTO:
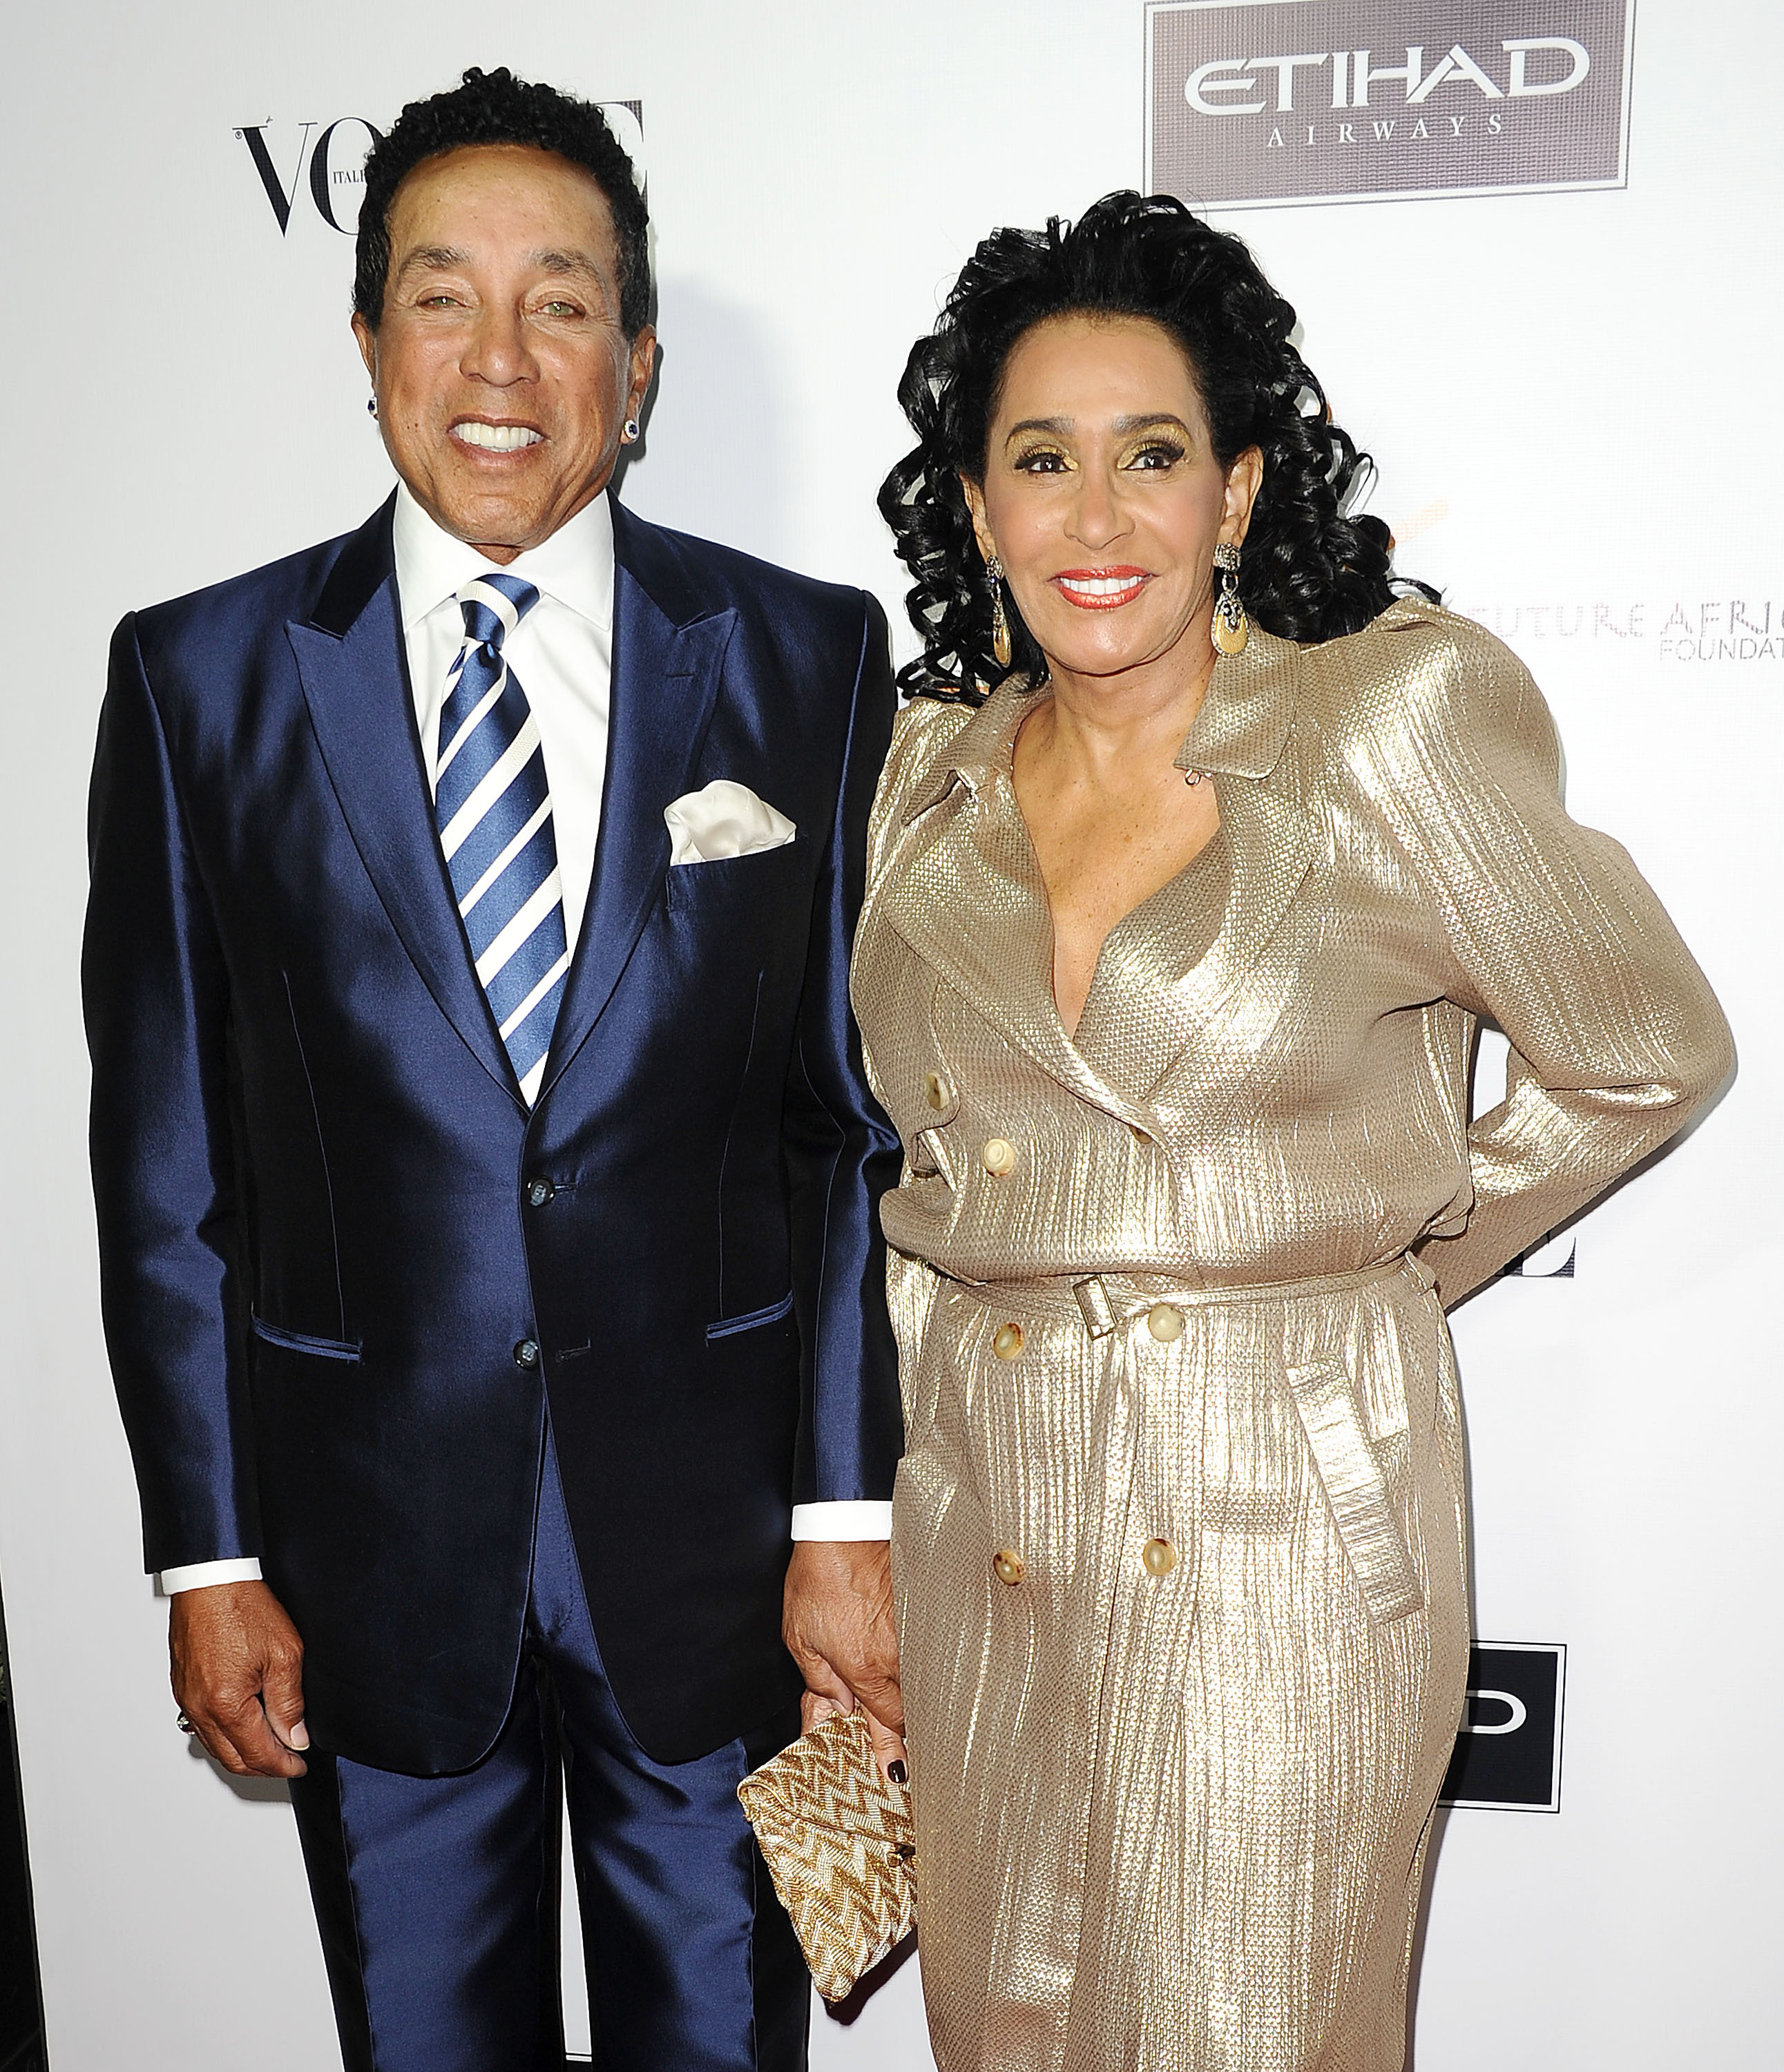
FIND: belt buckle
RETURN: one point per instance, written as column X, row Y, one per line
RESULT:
column 1093, row 1301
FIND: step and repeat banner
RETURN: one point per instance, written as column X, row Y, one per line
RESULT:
column 1534, row 249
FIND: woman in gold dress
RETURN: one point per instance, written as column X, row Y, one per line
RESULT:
column 1169, row 973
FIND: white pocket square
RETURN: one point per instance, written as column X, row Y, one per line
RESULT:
column 724, row 820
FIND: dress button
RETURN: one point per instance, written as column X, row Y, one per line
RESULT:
column 937, row 1091
column 540, row 1191
column 998, row 1157
column 1008, row 1342
column 1165, row 1322
column 526, row 1353
column 1158, row 1557
column 1009, row 1565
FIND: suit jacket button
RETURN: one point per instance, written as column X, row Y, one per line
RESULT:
column 526, row 1353
column 937, row 1091
column 1158, row 1557
column 539, row 1191
column 1009, row 1565
column 998, row 1157
column 1007, row 1342
column 1164, row 1321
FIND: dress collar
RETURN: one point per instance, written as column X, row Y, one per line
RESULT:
column 984, row 749
column 1240, row 731
column 1243, row 725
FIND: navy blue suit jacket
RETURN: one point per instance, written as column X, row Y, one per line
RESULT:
column 324, row 1255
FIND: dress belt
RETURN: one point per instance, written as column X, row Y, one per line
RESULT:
column 1323, row 1392
column 1106, row 1301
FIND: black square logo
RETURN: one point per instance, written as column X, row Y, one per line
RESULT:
column 1508, row 1753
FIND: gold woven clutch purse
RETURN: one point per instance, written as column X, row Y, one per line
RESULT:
column 837, row 1834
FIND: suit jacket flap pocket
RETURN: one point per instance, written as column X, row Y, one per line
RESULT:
column 302, row 1342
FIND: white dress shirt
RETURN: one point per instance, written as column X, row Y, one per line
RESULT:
column 562, row 656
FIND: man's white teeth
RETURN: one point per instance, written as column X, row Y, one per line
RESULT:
column 496, row 438
column 1100, row 586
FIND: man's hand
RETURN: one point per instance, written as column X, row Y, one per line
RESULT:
column 838, row 1628
column 238, row 1677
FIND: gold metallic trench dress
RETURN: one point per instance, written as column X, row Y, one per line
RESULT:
column 1179, row 1534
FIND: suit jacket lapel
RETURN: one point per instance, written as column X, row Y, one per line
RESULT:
column 350, row 661
column 668, row 647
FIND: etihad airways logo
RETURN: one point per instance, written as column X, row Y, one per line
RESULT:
column 1211, row 88
column 1252, row 103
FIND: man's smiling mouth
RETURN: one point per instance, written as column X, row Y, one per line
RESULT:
column 495, row 438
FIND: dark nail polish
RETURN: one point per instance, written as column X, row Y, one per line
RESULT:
column 897, row 1773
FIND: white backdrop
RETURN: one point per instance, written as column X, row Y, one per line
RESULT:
column 1573, row 400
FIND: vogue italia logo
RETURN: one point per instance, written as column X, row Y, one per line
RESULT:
column 332, row 174
column 316, row 170
column 1252, row 103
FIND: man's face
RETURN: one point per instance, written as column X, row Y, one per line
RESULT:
column 502, row 374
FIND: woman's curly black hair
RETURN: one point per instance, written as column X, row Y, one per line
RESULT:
column 1309, row 569
column 496, row 108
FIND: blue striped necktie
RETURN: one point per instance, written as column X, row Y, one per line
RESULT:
column 493, row 806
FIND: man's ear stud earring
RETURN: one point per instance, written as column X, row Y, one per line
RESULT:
column 629, row 431
column 371, row 405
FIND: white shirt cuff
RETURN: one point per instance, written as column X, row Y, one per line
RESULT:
column 861, row 1518
column 201, row 1575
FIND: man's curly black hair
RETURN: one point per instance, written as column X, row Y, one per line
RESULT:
column 496, row 108
column 1310, row 570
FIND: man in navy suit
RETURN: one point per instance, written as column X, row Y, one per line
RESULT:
column 486, row 1179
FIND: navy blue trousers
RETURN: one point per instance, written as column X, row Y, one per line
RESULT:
column 438, row 1897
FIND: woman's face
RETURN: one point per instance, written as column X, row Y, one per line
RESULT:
column 1102, row 497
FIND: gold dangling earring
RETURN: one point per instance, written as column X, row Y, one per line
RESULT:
column 1231, row 628
column 1000, row 625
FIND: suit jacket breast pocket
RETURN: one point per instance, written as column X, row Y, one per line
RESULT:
column 738, row 887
